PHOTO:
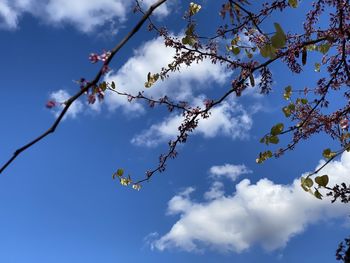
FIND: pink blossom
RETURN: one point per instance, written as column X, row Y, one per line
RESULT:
column 344, row 124
column 91, row 98
column 50, row 104
column 94, row 58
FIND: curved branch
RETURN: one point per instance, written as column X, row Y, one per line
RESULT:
column 69, row 102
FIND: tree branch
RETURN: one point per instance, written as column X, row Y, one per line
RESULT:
column 98, row 76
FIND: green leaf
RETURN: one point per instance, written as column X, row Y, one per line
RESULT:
column 113, row 85
column 291, row 106
column 318, row 195
column 263, row 156
column 327, row 153
column 190, row 30
column 265, row 51
column 189, row 40
column 324, row 48
column 306, row 183
column 263, row 139
column 103, row 86
column 235, row 41
column 312, row 47
column 249, row 55
column 120, row 172
column 274, row 139
column 322, row 180
column 293, row 3
column 125, row 181
column 287, row 112
column 235, row 50
column 287, row 92
column 304, row 101
column 277, row 129
column 279, row 39
column 151, row 79
column 268, row 51
column 317, row 67
column 194, row 8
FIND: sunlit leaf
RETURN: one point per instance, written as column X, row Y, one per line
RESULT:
column 327, row 153
column 120, row 172
column 317, row 67
column 274, row 139
column 194, row 8
column 293, row 3
column 279, row 39
column 322, row 180
column 318, row 195
column 263, row 156
column 324, row 48
column 277, row 129
column 151, row 79
column 306, row 183
column 268, row 51
column 287, row 92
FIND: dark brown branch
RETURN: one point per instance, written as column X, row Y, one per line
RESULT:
column 160, row 101
column 69, row 102
column 171, row 151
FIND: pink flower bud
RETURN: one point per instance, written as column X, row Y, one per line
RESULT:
column 91, row 99
column 344, row 124
column 105, row 55
column 94, row 58
column 50, row 104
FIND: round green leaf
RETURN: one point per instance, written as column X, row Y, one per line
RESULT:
column 293, row 3
column 273, row 139
column 322, row 180
column 277, row 129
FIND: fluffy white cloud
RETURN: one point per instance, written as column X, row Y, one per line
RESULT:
column 8, row 18
column 230, row 171
column 151, row 57
column 215, row 191
column 264, row 213
column 61, row 96
column 85, row 15
column 228, row 119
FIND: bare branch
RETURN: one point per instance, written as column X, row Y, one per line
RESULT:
column 69, row 102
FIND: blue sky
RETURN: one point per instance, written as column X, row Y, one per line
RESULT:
column 213, row 204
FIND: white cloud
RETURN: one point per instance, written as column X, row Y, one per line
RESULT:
column 152, row 56
column 230, row 171
column 265, row 214
column 228, row 119
column 61, row 96
column 215, row 191
column 85, row 15
column 8, row 18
